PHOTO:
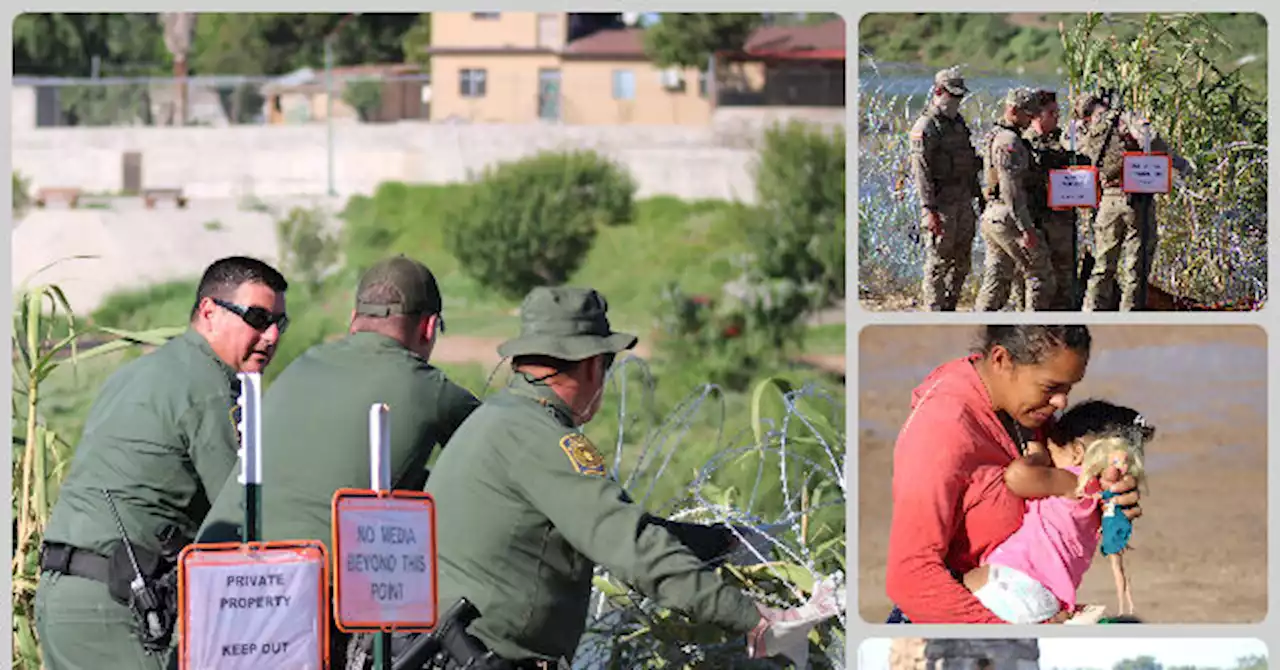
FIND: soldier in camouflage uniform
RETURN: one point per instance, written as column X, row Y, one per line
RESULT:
column 1008, row 229
column 945, row 169
column 1050, row 151
column 1124, row 227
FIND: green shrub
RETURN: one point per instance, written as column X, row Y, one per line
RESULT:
column 308, row 251
column 365, row 96
column 532, row 222
column 755, row 324
column 797, row 232
column 21, row 194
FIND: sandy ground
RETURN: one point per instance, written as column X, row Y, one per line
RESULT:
column 1200, row 549
column 134, row 246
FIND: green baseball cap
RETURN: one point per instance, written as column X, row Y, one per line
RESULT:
column 410, row 289
column 567, row 323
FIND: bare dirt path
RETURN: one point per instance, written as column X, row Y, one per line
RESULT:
column 461, row 349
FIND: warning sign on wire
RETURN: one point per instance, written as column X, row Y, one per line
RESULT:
column 1147, row 173
column 253, row 606
column 384, row 560
column 1074, row 187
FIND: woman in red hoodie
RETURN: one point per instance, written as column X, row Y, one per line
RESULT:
column 970, row 419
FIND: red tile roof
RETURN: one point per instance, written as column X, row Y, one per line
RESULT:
column 827, row 36
column 609, row 42
column 767, row 41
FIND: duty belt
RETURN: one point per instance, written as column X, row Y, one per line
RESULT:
column 68, row 560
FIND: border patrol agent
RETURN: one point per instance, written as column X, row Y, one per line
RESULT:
column 318, row 408
column 161, row 438
column 526, row 511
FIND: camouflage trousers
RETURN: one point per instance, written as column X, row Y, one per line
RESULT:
column 1059, row 232
column 947, row 257
column 1006, row 256
column 1122, row 259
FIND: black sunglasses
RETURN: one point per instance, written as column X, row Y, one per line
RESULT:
column 257, row 318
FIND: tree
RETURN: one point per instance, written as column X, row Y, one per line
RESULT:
column 64, row 45
column 275, row 44
column 415, row 42
column 1251, row 662
column 1139, row 663
column 179, row 28
column 689, row 40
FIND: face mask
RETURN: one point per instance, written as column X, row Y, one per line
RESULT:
column 949, row 105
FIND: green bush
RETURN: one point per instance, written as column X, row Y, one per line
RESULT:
column 797, row 232
column 755, row 324
column 21, row 194
column 532, row 222
column 308, row 251
column 365, row 96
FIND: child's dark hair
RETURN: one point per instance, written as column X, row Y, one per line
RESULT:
column 1099, row 418
column 1029, row 344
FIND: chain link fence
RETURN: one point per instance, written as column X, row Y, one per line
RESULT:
column 298, row 98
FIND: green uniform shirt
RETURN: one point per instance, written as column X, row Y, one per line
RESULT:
column 160, row 436
column 525, row 512
column 315, row 434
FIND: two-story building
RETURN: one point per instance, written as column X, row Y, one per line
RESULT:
column 557, row 67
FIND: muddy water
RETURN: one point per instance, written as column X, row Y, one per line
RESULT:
column 1200, row 547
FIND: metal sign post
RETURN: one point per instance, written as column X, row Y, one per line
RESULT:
column 250, row 427
column 380, row 481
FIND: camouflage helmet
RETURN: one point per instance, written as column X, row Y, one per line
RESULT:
column 1084, row 104
column 951, row 81
column 1023, row 99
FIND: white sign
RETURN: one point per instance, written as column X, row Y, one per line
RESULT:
column 258, row 608
column 1073, row 188
column 1147, row 173
column 384, row 561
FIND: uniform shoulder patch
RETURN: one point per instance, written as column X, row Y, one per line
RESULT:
column 583, row 455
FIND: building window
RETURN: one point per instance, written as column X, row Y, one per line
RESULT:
column 624, row 85
column 485, row 16
column 471, row 83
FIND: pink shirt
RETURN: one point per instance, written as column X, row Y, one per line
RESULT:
column 1055, row 544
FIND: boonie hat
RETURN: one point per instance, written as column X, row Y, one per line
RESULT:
column 567, row 323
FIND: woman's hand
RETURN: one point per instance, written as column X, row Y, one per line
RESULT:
column 1127, row 497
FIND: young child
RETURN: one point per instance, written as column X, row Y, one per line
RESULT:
column 1032, row 577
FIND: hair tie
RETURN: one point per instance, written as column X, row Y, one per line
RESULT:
column 1140, row 421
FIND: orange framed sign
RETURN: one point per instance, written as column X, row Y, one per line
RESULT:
column 253, row 605
column 384, row 555
column 1074, row 187
column 1147, row 173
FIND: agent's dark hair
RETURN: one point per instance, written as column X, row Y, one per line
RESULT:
column 1099, row 418
column 1046, row 98
column 225, row 275
column 1032, row 344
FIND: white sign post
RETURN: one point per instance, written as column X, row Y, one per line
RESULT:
column 384, row 547
column 1073, row 187
column 253, row 606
